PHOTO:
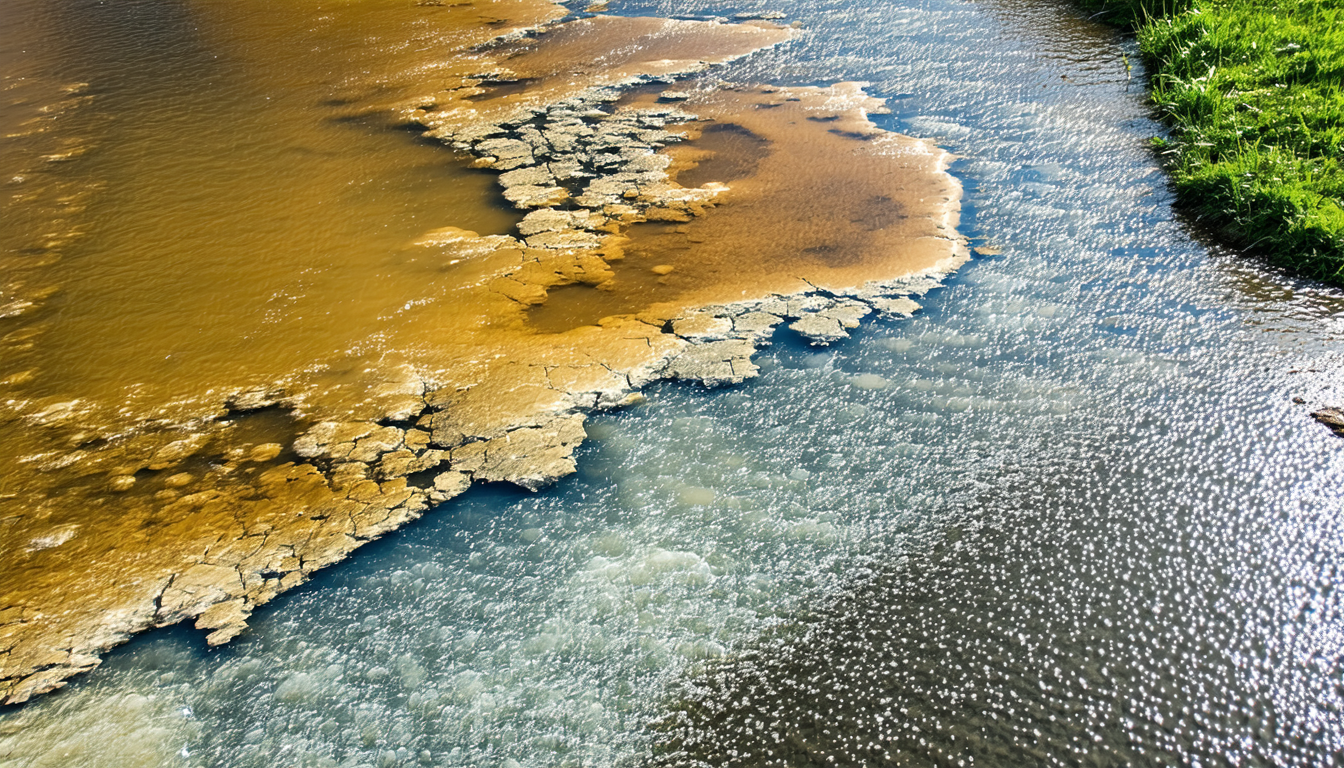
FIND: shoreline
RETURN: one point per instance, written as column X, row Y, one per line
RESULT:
column 320, row 492
column 1255, row 108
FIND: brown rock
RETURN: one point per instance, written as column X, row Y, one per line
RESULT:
column 1333, row 418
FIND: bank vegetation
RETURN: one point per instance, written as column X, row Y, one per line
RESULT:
column 1254, row 93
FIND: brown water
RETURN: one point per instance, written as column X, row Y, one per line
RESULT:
column 252, row 203
column 1068, row 514
column 815, row 196
column 224, row 234
column 727, row 153
column 239, row 207
column 202, row 198
column 208, row 197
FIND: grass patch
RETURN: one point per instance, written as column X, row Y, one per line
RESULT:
column 1254, row 93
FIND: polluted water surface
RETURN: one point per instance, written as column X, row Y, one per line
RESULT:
column 360, row 354
column 1069, row 512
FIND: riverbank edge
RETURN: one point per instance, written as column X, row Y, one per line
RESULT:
column 710, row 345
column 1252, row 94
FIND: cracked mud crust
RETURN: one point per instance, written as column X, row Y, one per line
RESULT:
column 795, row 210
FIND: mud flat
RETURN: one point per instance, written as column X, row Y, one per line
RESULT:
column 668, row 230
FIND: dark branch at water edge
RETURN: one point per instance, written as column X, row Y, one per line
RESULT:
column 1254, row 93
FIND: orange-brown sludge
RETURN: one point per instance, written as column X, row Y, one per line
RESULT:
column 666, row 234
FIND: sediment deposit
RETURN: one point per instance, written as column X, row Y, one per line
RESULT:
column 668, row 231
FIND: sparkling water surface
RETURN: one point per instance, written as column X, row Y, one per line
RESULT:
column 1068, row 514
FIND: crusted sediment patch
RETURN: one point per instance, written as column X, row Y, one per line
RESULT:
column 618, row 276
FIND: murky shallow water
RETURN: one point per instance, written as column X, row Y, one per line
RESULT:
column 1068, row 514
column 246, row 206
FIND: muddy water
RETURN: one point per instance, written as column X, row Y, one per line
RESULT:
column 1068, row 514
column 247, row 220
column 814, row 196
column 339, row 393
column 181, row 223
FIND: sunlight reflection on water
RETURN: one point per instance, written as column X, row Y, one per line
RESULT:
column 1067, row 514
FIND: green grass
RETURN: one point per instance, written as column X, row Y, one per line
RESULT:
column 1254, row 93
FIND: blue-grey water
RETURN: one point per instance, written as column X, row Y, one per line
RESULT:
column 1068, row 514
